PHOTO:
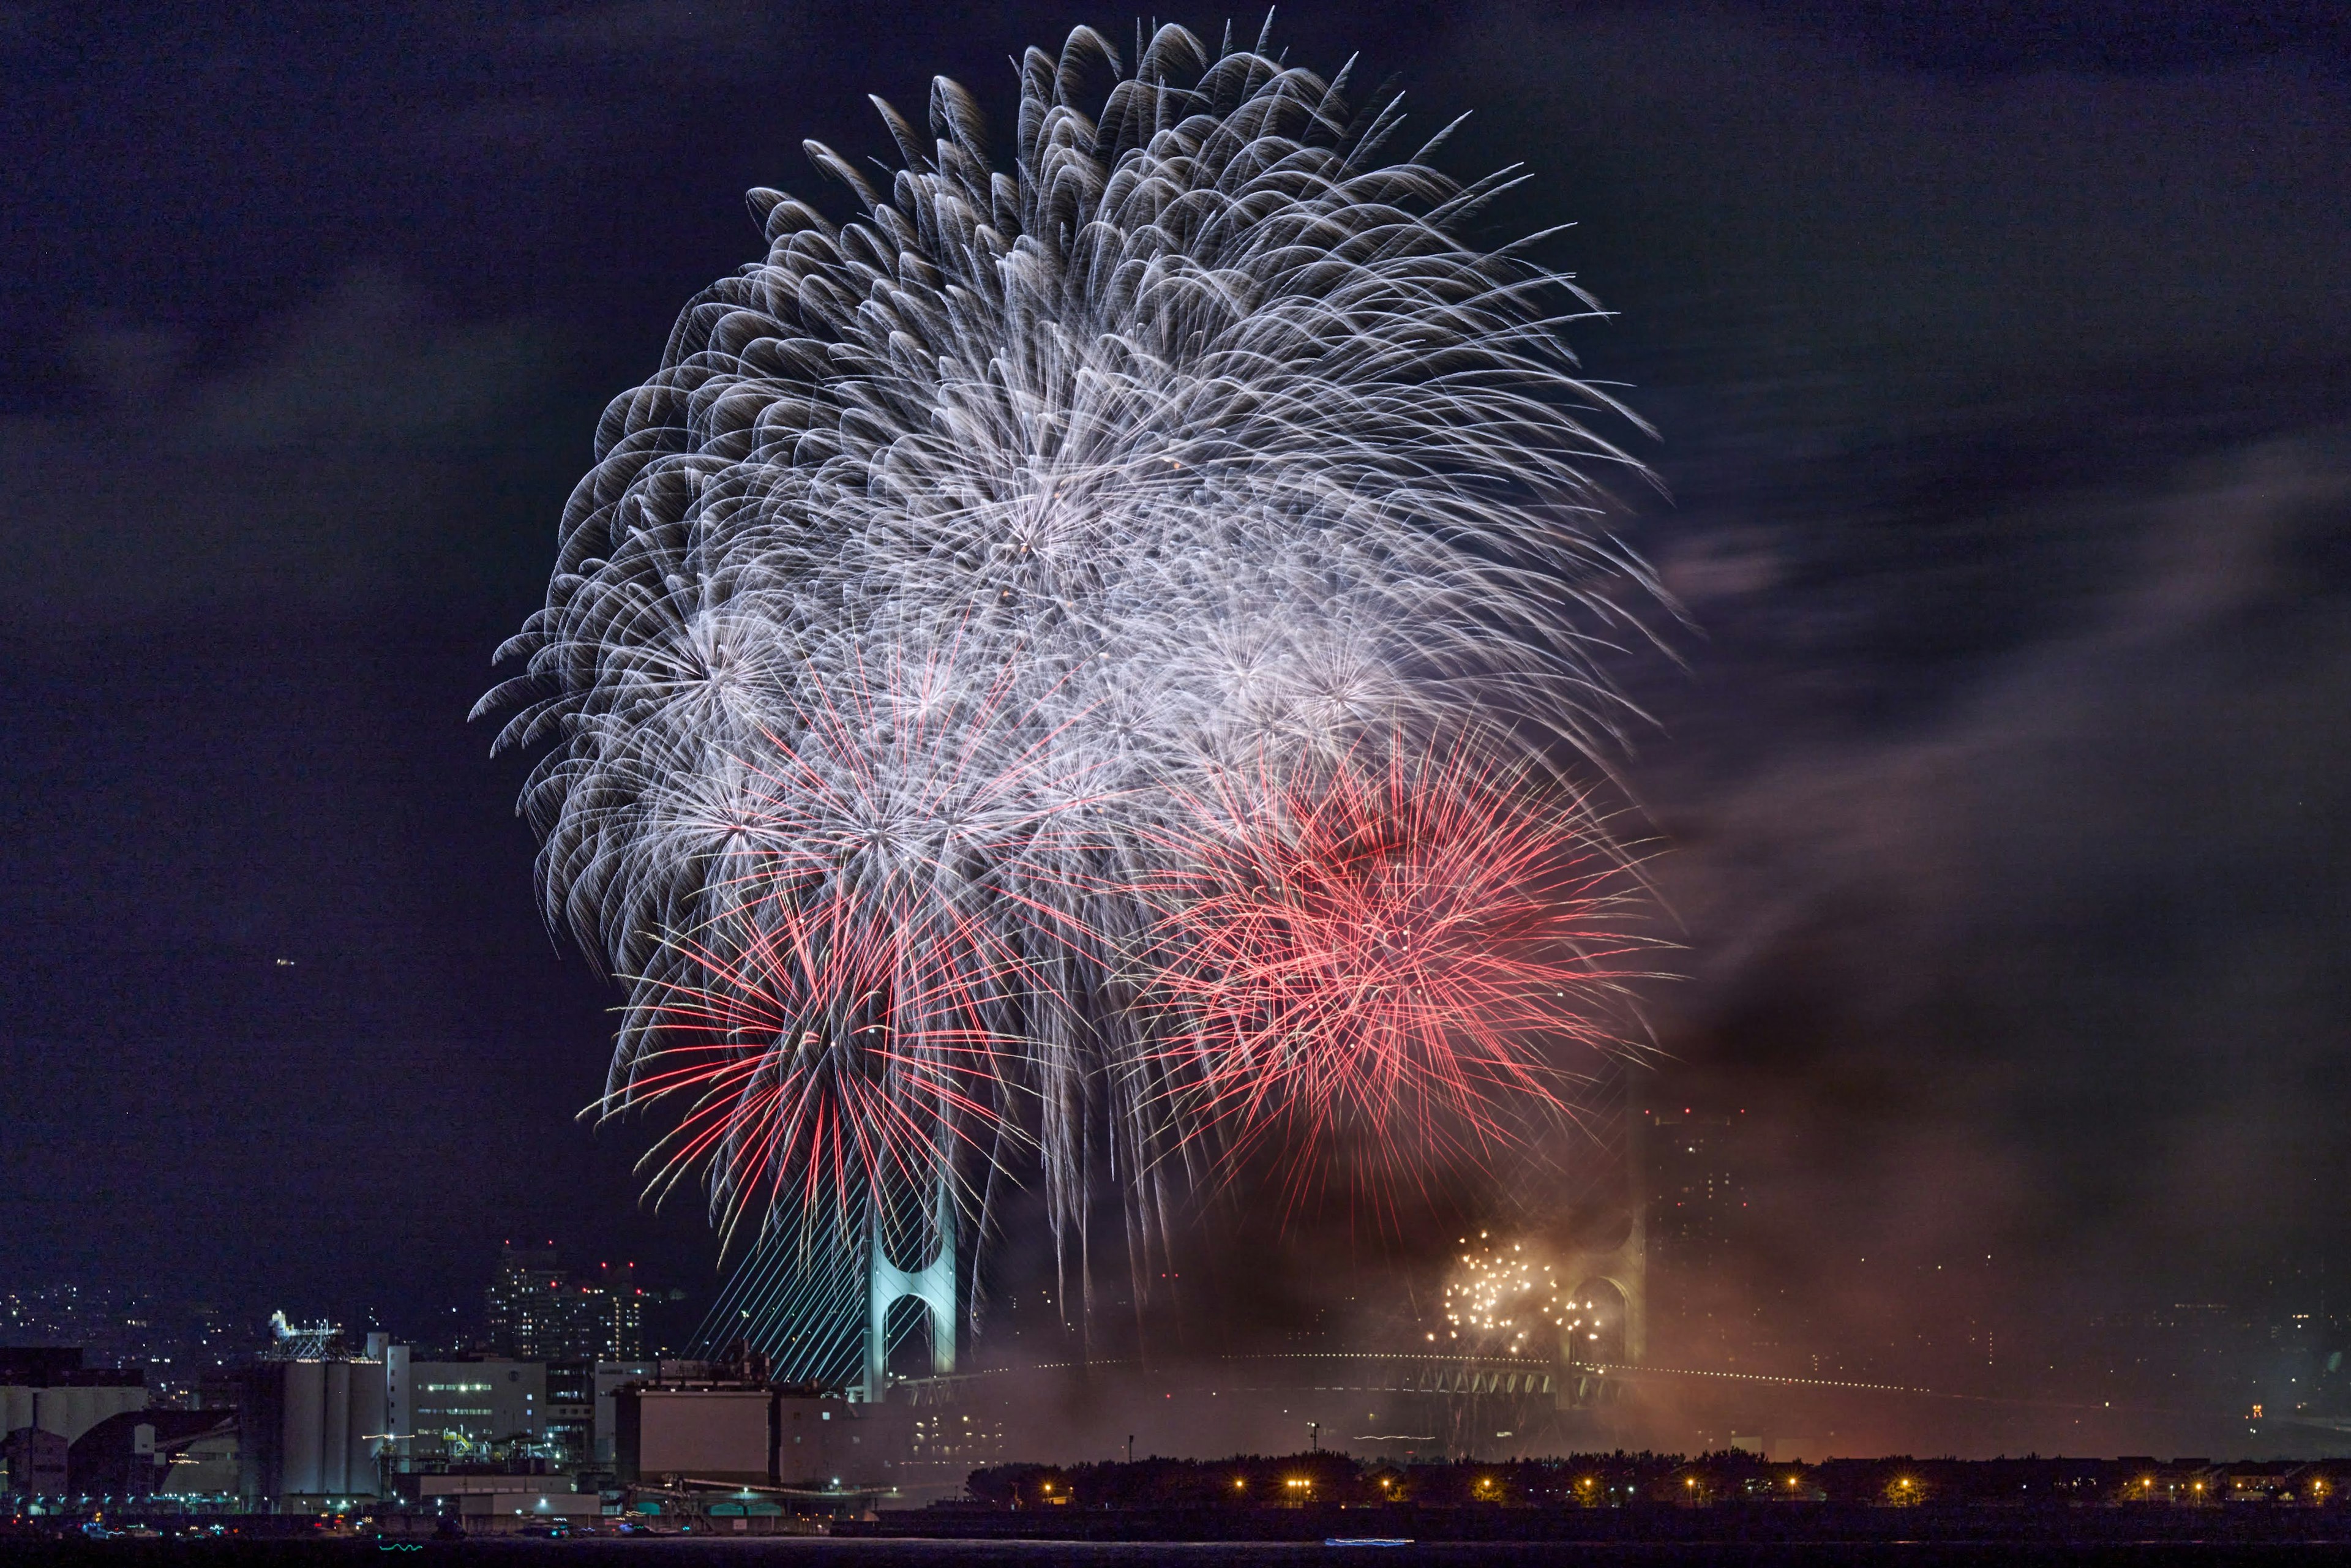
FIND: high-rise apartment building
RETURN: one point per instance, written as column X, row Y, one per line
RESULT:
column 524, row 1297
column 538, row 1311
column 625, row 1305
column 1697, row 1189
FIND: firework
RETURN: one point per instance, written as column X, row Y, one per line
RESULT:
column 1501, row 1298
column 1505, row 1298
column 1394, row 952
column 991, row 589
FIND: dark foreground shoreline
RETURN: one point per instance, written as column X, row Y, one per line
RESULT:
column 1781, row 1536
column 1767, row 1525
column 816, row 1552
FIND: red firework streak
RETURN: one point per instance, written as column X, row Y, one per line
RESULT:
column 1385, row 959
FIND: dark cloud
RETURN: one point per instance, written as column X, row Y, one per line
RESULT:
column 2088, row 897
column 337, row 469
column 1734, row 173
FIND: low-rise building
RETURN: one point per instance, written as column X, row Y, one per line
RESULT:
column 148, row 1453
column 481, row 1501
column 747, row 1434
column 48, row 1389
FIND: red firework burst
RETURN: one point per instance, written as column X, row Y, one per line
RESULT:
column 838, row 1054
column 1393, row 958
column 849, row 1021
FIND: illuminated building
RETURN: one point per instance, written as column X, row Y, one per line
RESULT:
column 538, row 1311
column 569, row 1413
column 1698, row 1191
column 528, row 1312
column 624, row 1310
column 311, row 1423
column 459, row 1409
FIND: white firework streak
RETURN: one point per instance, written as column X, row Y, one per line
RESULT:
column 1199, row 437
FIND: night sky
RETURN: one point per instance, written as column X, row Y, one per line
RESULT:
column 2001, row 356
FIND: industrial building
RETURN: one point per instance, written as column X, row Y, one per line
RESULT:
column 32, row 1463
column 479, row 1502
column 611, row 1376
column 153, row 1453
column 743, row 1433
column 463, row 1409
column 312, row 1426
column 568, row 1414
column 48, row 1401
column 50, row 1390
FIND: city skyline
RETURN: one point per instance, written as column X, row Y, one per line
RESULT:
column 2261, row 1373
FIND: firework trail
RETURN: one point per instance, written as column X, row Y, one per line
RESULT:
column 993, row 595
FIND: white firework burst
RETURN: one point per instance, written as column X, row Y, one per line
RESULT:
column 1198, row 438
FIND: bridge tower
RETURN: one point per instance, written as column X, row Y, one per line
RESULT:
column 1615, row 1280
column 933, row 1284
